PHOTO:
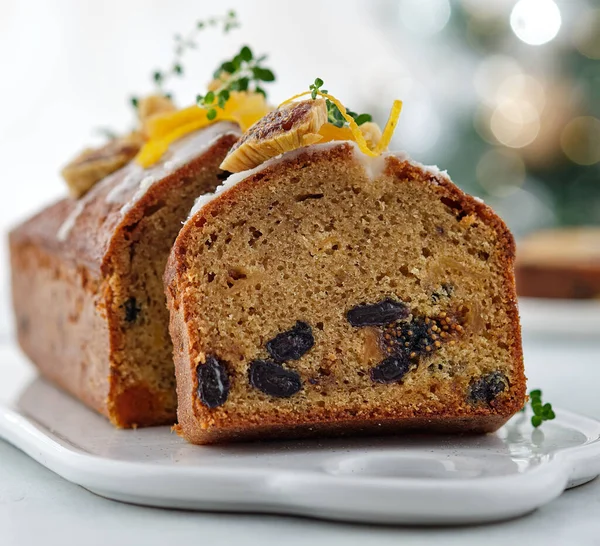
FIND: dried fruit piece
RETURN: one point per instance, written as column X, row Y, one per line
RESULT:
column 287, row 128
column 392, row 369
column 273, row 379
column 371, row 132
column 292, row 344
column 377, row 314
column 92, row 165
column 213, row 382
column 487, row 388
column 421, row 336
column 132, row 310
column 152, row 106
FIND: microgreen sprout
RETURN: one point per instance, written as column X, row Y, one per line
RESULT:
column 541, row 412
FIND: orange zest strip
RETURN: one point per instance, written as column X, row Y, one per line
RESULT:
column 386, row 136
column 242, row 108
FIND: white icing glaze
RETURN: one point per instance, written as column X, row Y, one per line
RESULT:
column 431, row 169
column 187, row 148
column 129, row 182
column 478, row 199
column 179, row 154
column 65, row 228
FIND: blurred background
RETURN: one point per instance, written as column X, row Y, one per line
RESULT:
column 504, row 94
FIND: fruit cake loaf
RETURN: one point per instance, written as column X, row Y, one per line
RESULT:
column 87, row 279
column 329, row 292
column 560, row 263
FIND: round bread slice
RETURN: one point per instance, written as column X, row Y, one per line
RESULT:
column 325, row 292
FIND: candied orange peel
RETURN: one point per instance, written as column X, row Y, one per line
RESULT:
column 243, row 108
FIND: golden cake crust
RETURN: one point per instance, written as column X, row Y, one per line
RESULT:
column 208, row 426
column 66, row 288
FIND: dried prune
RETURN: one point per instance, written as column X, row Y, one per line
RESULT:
column 292, row 344
column 132, row 310
column 488, row 387
column 273, row 379
column 377, row 314
column 213, row 382
column 392, row 369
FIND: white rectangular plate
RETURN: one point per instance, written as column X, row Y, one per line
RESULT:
column 406, row 479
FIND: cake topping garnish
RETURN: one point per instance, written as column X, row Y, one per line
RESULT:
column 243, row 73
column 236, row 94
column 160, row 78
column 93, row 164
column 285, row 129
column 322, row 118
column 352, row 121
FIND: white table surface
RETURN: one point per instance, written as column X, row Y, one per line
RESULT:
column 38, row 507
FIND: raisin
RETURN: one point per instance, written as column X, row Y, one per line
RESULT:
column 132, row 310
column 392, row 369
column 377, row 314
column 292, row 344
column 273, row 379
column 487, row 388
column 213, row 382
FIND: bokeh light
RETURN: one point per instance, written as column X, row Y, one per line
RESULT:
column 500, row 172
column 515, row 124
column 486, row 10
column 535, row 22
column 425, row 16
column 580, row 140
column 490, row 75
column 521, row 88
column 587, row 34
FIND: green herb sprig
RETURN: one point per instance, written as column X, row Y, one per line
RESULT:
column 541, row 412
column 334, row 116
column 160, row 78
column 243, row 72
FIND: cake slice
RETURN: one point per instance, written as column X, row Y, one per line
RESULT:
column 87, row 279
column 560, row 263
column 331, row 290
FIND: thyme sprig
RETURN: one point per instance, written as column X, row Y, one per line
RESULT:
column 183, row 43
column 243, row 72
column 334, row 116
column 541, row 412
